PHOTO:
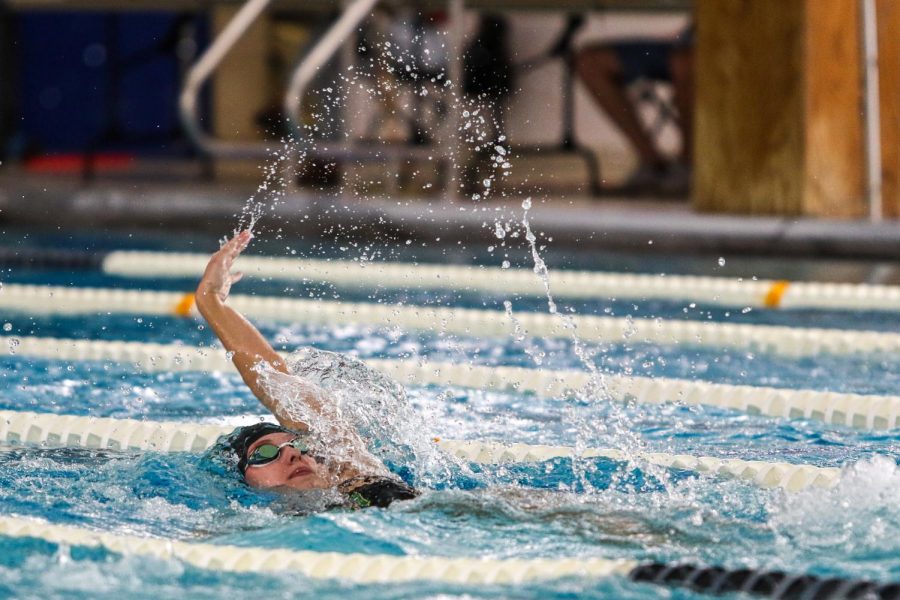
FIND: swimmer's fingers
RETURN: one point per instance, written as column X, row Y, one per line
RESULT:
column 233, row 247
column 217, row 278
column 242, row 240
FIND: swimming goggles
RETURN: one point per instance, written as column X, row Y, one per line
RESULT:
column 268, row 453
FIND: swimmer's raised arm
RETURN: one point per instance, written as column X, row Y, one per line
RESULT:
column 253, row 356
column 248, row 346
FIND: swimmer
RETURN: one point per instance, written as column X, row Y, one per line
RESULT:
column 282, row 457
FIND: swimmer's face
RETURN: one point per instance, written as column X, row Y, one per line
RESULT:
column 289, row 470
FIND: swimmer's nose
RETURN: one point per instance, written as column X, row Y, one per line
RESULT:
column 292, row 454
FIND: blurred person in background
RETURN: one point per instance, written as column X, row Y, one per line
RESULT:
column 608, row 70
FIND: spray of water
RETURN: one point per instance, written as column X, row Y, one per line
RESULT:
column 595, row 391
column 478, row 148
column 359, row 417
column 858, row 517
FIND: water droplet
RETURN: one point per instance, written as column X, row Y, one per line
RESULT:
column 721, row 261
column 526, row 203
column 7, row 327
column 504, row 264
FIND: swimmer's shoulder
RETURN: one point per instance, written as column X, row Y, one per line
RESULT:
column 376, row 490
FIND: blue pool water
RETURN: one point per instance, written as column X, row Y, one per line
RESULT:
column 512, row 511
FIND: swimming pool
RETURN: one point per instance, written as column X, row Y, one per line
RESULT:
column 583, row 509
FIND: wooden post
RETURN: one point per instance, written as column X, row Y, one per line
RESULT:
column 888, row 12
column 779, row 127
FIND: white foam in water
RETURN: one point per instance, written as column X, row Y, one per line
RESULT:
column 856, row 519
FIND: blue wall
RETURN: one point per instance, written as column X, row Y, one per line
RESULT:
column 84, row 76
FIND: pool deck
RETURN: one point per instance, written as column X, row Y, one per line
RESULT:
column 606, row 223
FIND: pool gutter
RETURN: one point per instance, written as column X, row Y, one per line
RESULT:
column 647, row 226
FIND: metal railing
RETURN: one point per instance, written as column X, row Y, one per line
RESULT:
column 324, row 50
column 355, row 13
column 202, row 71
column 321, row 53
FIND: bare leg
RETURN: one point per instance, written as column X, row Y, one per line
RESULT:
column 682, row 68
column 601, row 72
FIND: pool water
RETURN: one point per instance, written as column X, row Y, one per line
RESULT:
column 593, row 508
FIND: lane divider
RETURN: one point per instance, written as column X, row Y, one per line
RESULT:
column 568, row 284
column 787, row 341
column 791, row 477
column 356, row 568
column 851, row 410
column 52, row 430
column 380, row 568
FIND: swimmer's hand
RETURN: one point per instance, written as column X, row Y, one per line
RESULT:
column 217, row 279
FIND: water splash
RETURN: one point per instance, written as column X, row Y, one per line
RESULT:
column 858, row 517
column 358, row 399
column 387, row 67
column 595, row 391
column 271, row 191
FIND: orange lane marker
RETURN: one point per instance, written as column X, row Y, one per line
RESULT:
column 183, row 308
column 776, row 293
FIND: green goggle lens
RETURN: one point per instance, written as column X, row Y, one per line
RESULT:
column 266, row 453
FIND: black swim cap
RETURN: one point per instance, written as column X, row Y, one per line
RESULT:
column 242, row 438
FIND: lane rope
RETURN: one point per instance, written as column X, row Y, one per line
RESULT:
column 569, row 284
column 380, row 568
column 779, row 340
column 357, row 568
column 851, row 410
column 52, row 430
column 768, row 584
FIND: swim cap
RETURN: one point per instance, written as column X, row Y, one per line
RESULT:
column 242, row 438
